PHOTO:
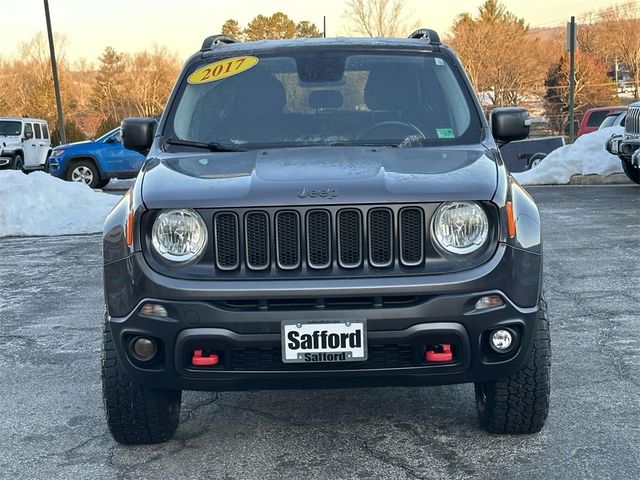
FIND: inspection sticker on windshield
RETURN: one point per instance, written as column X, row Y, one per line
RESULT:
column 222, row 69
column 445, row 133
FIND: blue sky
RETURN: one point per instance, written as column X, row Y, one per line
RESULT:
column 131, row 25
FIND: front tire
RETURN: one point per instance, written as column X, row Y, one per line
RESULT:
column 18, row 163
column 84, row 171
column 631, row 172
column 520, row 403
column 136, row 414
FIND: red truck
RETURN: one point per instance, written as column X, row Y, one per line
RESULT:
column 595, row 116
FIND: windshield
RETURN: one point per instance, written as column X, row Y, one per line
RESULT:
column 325, row 98
column 10, row 128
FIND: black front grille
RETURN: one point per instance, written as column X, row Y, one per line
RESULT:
column 379, row 356
column 380, row 237
column 257, row 238
column 319, row 239
column 350, row 238
column 411, row 236
column 226, row 240
column 323, row 241
column 288, row 239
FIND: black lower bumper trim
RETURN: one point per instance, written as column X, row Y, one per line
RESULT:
column 248, row 346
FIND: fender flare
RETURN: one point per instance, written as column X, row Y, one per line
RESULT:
column 84, row 156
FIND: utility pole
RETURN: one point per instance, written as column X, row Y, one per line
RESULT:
column 571, row 46
column 54, row 70
column 324, row 26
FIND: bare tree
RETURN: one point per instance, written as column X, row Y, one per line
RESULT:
column 378, row 18
column 620, row 27
column 502, row 59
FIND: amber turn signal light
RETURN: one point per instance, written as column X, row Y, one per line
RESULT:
column 511, row 221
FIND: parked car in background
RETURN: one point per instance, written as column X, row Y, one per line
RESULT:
column 595, row 116
column 95, row 162
column 627, row 146
column 613, row 120
column 526, row 154
column 24, row 143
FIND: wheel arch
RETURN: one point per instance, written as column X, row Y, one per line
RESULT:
column 71, row 161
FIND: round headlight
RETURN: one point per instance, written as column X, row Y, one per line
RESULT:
column 179, row 235
column 460, row 227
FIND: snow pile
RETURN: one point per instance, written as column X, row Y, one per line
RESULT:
column 118, row 185
column 586, row 156
column 39, row 204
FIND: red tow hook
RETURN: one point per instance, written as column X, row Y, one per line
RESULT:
column 199, row 361
column 440, row 353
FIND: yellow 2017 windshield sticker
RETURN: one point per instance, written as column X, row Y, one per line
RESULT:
column 222, row 69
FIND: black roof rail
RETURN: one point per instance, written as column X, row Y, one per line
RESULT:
column 214, row 40
column 431, row 36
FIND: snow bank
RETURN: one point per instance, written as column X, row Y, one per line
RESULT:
column 39, row 204
column 116, row 184
column 585, row 156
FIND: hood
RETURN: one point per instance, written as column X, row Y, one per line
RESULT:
column 68, row 146
column 318, row 176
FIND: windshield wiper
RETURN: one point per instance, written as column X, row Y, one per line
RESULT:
column 211, row 146
column 362, row 143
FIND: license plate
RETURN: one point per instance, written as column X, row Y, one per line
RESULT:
column 318, row 341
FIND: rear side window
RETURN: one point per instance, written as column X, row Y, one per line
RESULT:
column 45, row 131
column 596, row 118
column 28, row 129
column 36, row 127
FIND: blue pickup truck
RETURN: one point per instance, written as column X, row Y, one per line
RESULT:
column 95, row 162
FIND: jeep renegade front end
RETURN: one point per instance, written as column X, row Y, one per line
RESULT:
column 319, row 214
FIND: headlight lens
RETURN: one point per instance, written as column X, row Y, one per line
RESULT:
column 460, row 227
column 179, row 235
column 57, row 153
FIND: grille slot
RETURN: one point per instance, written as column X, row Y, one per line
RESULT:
column 319, row 239
column 411, row 236
column 380, row 237
column 257, row 240
column 349, row 238
column 632, row 122
column 288, row 239
column 226, row 241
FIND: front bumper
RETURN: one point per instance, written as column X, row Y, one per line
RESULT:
column 249, row 346
column 623, row 147
column 242, row 322
column 55, row 167
column 6, row 162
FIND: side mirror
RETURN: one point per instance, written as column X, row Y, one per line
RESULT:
column 137, row 133
column 509, row 124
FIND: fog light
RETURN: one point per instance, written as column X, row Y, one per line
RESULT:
column 502, row 340
column 144, row 348
column 153, row 310
column 489, row 301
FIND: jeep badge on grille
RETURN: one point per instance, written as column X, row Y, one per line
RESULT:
column 322, row 192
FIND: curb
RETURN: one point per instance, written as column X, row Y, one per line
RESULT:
column 612, row 179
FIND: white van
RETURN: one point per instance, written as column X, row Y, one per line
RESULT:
column 25, row 144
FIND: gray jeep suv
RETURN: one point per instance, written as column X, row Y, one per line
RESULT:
column 323, row 213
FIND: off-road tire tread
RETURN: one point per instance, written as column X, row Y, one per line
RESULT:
column 136, row 414
column 631, row 172
column 520, row 403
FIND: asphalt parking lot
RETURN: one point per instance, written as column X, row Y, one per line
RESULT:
column 51, row 418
